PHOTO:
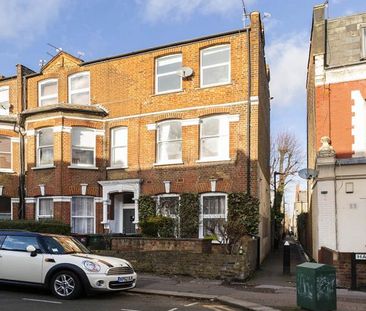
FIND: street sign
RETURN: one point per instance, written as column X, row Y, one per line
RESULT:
column 360, row 256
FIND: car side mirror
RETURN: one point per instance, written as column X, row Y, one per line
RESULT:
column 32, row 250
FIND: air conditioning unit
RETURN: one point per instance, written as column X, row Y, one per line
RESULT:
column 185, row 72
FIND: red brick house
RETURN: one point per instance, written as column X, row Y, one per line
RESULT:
column 190, row 116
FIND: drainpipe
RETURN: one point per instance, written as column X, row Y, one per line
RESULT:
column 249, row 109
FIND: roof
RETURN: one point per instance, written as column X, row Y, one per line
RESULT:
column 238, row 31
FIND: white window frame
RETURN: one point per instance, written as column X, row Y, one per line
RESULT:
column 87, row 217
column 113, row 131
column 166, row 74
column 224, row 139
column 38, row 153
column 215, row 65
column 211, row 216
column 363, row 42
column 84, row 148
column 168, row 195
column 3, row 169
column 40, row 97
column 158, row 161
column 38, row 217
column 5, row 112
column 84, row 90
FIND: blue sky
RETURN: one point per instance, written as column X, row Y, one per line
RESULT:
column 101, row 28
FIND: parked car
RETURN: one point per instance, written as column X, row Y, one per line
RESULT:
column 61, row 264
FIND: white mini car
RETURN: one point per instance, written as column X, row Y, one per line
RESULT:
column 61, row 264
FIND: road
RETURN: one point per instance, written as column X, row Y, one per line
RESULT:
column 19, row 298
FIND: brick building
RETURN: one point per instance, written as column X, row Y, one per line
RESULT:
column 99, row 134
column 336, row 88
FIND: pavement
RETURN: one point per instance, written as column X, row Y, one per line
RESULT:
column 268, row 290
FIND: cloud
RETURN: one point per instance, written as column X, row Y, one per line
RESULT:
column 158, row 10
column 24, row 19
column 288, row 57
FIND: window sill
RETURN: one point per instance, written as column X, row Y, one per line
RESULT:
column 168, row 163
column 213, row 160
column 109, row 168
column 168, row 93
column 215, row 85
column 4, row 170
column 43, row 167
column 83, row 167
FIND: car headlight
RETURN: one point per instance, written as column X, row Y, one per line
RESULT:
column 91, row 266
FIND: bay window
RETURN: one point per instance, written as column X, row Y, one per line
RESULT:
column 214, row 138
column 45, row 147
column 79, row 88
column 82, row 215
column 169, row 142
column 48, row 92
column 83, row 147
column 215, row 65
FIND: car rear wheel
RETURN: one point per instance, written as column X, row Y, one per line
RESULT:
column 66, row 285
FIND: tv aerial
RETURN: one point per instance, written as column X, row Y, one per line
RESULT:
column 308, row 173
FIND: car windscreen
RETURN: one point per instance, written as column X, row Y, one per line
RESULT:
column 63, row 245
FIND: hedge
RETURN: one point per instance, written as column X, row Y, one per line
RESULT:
column 158, row 226
column 43, row 226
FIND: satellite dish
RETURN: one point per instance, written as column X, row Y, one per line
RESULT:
column 185, row 72
column 308, row 173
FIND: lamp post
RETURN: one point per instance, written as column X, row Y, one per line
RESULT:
column 275, row 210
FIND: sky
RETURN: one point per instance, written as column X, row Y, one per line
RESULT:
column 101, row 28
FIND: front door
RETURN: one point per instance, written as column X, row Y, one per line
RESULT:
column 129, row 219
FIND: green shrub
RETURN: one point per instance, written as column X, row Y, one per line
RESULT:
column 189, row 215
column 44, row 226
column 147, row 207
column 158, row 226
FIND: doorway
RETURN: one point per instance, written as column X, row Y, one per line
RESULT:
column 124, row 213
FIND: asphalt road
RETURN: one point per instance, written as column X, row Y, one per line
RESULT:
column 19, row 298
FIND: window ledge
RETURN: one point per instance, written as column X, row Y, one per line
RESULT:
column 116, row 168
column 215, row 85
column 168, row 163
column 83, row 167
column 4, row 170
column 213, row 160
column 43, row 167
column 168, row 93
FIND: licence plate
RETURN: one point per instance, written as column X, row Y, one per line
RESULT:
column 123, row 279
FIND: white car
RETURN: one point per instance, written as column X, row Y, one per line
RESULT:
column 61, row 264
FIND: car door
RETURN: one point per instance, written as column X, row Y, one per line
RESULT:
column 16, row 263
column 2, row 237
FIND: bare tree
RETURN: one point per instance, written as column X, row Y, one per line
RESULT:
column 286, row 160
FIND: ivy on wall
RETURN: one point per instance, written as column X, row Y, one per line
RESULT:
column 147, row 207
column 189, row 215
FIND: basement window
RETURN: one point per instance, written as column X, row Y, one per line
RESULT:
column 48, row 92
column 215, row 65
column 4, row 100
column 45, row 147
column 79, row 88
column 44, row 208
column 5, row 208
column 167, row 80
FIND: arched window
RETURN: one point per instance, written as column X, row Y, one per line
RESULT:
column 48, row 92
column 44, row 147
column 5, row 153
column 166, row 78
column 83, row 146
column 215, row 65
column 79, row 88
column 119, row 138
column 169, row 142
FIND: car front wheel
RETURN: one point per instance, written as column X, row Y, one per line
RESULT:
column 65, row 285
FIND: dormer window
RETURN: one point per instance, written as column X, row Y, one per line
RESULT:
column 4, row 100
column 79, row 88
column 48, row 92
